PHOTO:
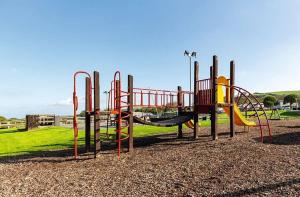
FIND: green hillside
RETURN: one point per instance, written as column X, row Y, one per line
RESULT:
column 278, row 94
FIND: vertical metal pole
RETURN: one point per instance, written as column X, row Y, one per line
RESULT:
column 190, row 82
column 232, row 82
column 130, row 111
column 97, row 142
column 180, row 106
column 214, row 107
column 87, row 114
column 119, row 116
column 196, row 88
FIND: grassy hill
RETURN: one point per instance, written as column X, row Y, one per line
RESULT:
column 279, row 94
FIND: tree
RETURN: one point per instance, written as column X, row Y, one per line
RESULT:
column 2, row 118
column 269, row 101
column 291, row 98
column 82, row 114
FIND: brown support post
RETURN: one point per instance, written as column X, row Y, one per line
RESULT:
column 232, row 82
column 97, row 142
column 196, row 116
column 87, row 115
column 211, row 97
column 214, row 107
column 180, row 107
column 130, row 111
column 211, row 72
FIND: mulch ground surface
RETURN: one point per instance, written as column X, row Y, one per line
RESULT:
column 166, row 166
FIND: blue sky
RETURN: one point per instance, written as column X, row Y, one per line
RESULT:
column 44, row 42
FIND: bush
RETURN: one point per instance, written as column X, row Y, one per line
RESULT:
column 269, row 101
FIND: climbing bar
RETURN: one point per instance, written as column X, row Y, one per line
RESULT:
column 147, row 98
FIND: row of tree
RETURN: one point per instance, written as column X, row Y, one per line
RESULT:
column 4, row 119
column 271, row 101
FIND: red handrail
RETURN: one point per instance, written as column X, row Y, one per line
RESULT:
column 75, row 108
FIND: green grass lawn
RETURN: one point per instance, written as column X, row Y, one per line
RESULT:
column 18, row 142
column 283, row 113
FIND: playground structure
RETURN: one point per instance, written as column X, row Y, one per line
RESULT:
column 208, row 95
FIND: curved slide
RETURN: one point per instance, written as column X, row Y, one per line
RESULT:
column 239, row 119
column 190, row 124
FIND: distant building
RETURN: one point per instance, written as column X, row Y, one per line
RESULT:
column 287, row 106
column 295, row 106
column 248, row 107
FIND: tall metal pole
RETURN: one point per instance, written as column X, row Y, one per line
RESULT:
column 196, row 88
column 190, row 55
column 190, row 81
column 232, row 83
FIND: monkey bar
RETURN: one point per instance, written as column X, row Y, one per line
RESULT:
column 152, row 98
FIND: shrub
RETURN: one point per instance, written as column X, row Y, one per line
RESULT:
column 269, row 101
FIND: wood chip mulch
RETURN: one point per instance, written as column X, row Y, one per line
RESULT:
column 166, row 166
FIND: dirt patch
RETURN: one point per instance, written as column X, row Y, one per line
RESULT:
column 166, row 166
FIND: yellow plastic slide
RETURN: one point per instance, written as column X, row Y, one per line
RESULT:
column 190, row 124
column 239, row 119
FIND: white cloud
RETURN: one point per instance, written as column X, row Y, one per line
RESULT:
column 68, row 102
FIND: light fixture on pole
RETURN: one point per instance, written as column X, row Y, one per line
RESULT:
column 190, row 55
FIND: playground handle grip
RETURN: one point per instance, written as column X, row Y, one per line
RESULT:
column 75, row 101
